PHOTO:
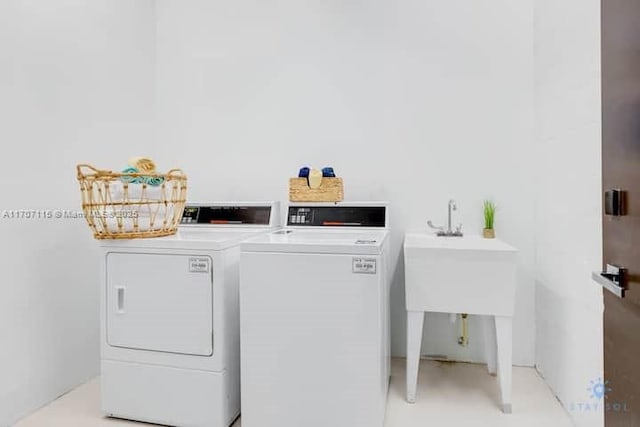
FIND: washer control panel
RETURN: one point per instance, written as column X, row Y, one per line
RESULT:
column 337, row 216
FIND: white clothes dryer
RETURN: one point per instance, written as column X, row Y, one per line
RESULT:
column 170, row 345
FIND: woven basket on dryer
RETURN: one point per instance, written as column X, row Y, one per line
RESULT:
column 132, row 205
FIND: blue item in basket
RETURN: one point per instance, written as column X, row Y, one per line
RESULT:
column 328, row 172
column 153, row 181
column 128, row 179
column 304, row 172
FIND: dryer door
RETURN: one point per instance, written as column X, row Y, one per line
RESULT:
column 160, row 302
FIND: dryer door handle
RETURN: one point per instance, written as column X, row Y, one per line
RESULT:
column 120, row 299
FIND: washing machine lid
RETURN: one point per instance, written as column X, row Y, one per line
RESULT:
column 368, row 242
column 340, row 228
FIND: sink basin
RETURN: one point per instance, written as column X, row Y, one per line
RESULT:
column 471, row 242
column 467, row 274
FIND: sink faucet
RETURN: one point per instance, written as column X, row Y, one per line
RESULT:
column 452, row 207
column 449, row 232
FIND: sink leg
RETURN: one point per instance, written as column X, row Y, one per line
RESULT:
column 415, row 320
column 504, row 338
column 490, row 346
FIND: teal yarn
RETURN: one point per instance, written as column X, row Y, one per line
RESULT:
column 128, row 179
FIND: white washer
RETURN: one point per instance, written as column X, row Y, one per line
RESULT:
column 170, row 350
column 314, row 310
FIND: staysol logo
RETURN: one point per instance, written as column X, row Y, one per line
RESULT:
column 598, row 399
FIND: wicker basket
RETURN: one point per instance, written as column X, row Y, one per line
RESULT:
column 117, row 207
column 331, row 190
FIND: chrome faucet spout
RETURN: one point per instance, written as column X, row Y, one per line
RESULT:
column 452, row 207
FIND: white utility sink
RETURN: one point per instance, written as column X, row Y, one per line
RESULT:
column 469, row 275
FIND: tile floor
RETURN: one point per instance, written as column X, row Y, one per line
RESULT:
column 449, row 394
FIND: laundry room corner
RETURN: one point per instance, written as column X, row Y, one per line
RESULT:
column 569, row 305
column 77, row 83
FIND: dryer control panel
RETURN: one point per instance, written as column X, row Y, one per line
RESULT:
column 226, row 215
column 337, row 216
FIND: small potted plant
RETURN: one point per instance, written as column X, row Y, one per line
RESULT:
column 489, row 216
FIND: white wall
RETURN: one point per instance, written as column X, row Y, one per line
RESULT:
column 76, row 84
column 413, row 102
column 568, row 229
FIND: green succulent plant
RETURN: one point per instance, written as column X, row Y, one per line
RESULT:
column 489, row 214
